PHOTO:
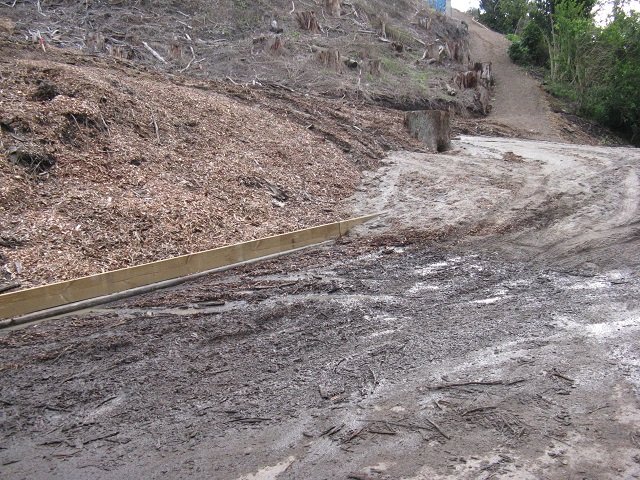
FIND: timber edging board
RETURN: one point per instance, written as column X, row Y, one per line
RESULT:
column 34, row 299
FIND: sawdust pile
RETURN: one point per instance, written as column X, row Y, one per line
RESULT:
column 105, row 168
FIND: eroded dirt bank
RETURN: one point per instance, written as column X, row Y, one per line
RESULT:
column 495, row 338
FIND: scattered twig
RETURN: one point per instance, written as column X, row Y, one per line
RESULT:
column 39, row 9
column 101, row 437
column 155, row 125
column 249, row 420
column 479, row 382
column 477, row 409
column 373, row 374
column 153, row 52
column 353, row 435
column 330, row 431
column 556, row 373
column 293, row 8
column 435, row 425
column 106, row 400
column 382, row 432
column 359, row 476
column 597, row 408
column 105, row 125
column 193, row 57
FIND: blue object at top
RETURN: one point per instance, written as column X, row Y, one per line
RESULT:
column 439, row 5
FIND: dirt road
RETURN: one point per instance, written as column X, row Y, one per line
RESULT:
column 518, row 103
column 497, row 338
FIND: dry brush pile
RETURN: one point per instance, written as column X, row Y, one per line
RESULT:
column 400, row 53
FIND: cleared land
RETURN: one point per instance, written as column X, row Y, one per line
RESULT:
column 486, row 327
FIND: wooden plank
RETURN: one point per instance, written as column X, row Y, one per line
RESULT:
column 35, row 299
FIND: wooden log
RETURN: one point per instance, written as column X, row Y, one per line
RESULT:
column 35, row 299
column 431, row 127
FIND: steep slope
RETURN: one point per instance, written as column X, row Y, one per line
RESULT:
column 519, row 102
column 106, row 166
column 366, row 49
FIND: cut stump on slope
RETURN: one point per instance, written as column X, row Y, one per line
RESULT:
column 431, row 127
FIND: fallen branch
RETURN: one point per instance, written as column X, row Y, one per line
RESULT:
column 155, row 126
column 480, row 382
column 193, row 57
column 293, row 9
column 153, row 52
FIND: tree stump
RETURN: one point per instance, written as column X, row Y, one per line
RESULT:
column 308, row 21
column 374, row 67
column 334, row 7
column 276, row 46
column 431, row 127
column 330, row 58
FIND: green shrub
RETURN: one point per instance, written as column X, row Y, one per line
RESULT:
column 518, row 53
column 534, row 43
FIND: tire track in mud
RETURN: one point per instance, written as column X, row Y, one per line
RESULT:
column 541, row 201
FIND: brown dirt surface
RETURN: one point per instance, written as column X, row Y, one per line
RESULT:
column 226, row 163
column 487, row 326
column 113, row 157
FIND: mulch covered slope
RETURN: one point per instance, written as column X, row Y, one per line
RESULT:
column 103, row 168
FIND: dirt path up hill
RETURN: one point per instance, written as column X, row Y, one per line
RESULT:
column 519, row 103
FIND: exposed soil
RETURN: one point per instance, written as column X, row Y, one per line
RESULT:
column 506, row 317
column 486, row 326
column 142, row 168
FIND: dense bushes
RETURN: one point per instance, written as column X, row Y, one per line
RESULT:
column 529, row 48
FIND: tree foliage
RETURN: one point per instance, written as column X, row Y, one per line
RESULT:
column 502, row 15
column 597, row 67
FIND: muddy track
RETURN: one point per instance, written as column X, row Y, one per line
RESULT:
column 535, row 201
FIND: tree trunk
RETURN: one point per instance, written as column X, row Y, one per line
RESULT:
column 431, row 127
column 330, row 58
